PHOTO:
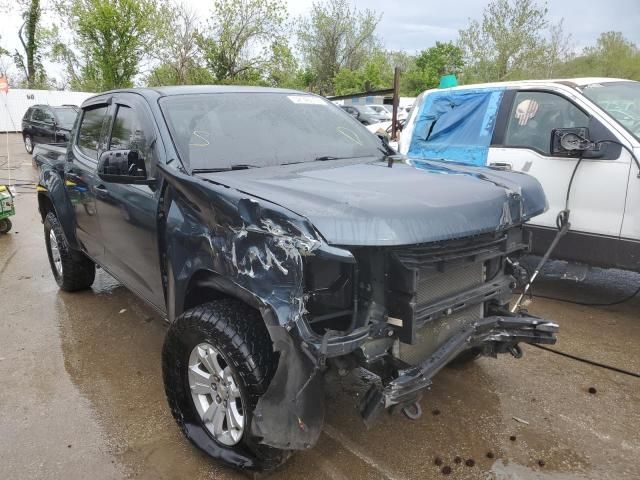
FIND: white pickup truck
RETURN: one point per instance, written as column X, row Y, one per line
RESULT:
column 517, row 126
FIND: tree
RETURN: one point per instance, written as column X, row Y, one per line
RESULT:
column 4, row 61
column 508, row 43
column 430, row 65
column 177, row 51
column 33, row 37
column 241, row 37
column 112, row 38
column 375, row 74
column 335, row 36
column 283, row 71
column 612, row 56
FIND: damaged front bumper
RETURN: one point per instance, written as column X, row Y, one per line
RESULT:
column 402, row 384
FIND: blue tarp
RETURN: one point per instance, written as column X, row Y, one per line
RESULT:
column 456, row 125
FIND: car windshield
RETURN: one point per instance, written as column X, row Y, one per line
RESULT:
column 218, row 131
column 66, row 116
column 621, row 100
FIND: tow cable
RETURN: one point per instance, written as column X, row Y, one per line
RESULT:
column 563, row 225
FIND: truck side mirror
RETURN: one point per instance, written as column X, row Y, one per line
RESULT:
column 567, row 142
column 122, row 166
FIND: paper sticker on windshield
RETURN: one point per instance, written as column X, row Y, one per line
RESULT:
column 306, row 99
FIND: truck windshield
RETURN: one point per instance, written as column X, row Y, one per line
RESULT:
column 621, row 100
column 217, row 131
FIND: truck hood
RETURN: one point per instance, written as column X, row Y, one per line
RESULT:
column 364, row 202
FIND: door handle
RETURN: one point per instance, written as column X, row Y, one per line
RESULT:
column 501, row 165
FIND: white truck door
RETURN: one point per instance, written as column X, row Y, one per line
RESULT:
column 631, row 222
column 598, row 194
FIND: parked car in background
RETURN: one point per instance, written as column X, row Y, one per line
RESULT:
column 384, row 128
column 364, row 114
column 278, row 249
column 47, row 124
column 383, row 110
column 522, row 126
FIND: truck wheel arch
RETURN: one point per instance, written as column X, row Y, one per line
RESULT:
column 296, row 381
column 205, row 286
column 45, row 205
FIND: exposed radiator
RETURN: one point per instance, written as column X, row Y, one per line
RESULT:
column 430, row 336
column 433, row 285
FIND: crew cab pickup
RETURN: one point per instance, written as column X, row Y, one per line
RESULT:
column 518, row 126
column 280, row 238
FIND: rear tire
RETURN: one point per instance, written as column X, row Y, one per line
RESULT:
column 5, row 225
column 222, row 336
column 72, row 270
column 28, row 143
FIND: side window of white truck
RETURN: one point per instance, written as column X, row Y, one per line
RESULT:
column 535, row 114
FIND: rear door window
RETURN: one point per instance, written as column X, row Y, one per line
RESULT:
column 534, row 115
column 90, row 132
column 40, row 115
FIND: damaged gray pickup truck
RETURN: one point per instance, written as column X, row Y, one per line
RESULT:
column 280, row 238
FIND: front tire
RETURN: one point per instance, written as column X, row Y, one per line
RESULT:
column 72, row 270
column 28, row 143
column 217, row 361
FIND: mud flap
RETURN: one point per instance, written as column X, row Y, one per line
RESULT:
column 290, row 415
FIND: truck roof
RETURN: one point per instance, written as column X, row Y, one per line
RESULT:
column 570, row 82
column 155, row 92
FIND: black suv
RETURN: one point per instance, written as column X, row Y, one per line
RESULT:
column 47, row 124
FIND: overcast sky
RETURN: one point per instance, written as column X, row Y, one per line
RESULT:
column 414, row 25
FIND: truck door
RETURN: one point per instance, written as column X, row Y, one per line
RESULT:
column 81, row 178
column 522, row 142
column 629, row 251
column 127, row 212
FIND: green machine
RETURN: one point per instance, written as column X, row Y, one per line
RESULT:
column 7, row 208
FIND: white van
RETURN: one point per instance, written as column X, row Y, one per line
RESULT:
column 520, row 126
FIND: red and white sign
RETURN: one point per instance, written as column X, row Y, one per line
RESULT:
column 4, row 84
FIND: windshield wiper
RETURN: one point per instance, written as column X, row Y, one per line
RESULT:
column 238, row 166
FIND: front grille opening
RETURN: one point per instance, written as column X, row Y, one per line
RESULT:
column 329, row 295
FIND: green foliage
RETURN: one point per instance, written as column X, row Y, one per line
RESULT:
column 333, row 37
column 166, row 74
column 33, row 38
column 3, row 51
column 282, row 69
column 177, row 55
column 508, row 43
column 241, row 39
column 338, row 51
column 430, row 65
column 112, row 37
column 375, row 74
column 612, row 56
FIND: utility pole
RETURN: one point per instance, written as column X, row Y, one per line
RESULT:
column 396, row 103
